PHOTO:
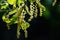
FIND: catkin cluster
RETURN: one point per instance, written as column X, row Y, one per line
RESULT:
column 18, row 13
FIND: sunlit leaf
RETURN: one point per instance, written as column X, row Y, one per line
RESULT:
column 20, row 2
column 4, row 6
column 12, row 12
column 25, row 25
column 5, row 19
column 12, row 2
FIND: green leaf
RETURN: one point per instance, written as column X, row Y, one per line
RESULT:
column 47, row 13
column 4, row 6
column 25, row 25
column 12, row 12
column 13, row 20
column 32, row 0
column 5, row 19
column 12, row 2
column 20, row 1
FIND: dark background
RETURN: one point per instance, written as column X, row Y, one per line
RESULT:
column 42, row 28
